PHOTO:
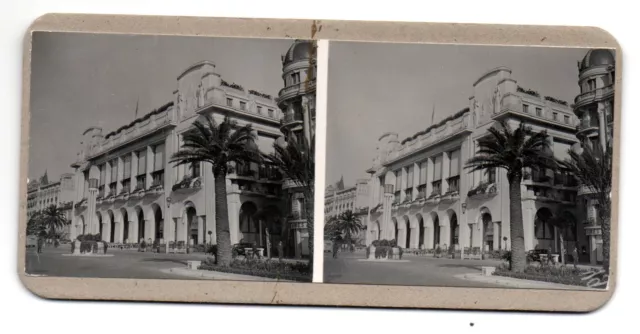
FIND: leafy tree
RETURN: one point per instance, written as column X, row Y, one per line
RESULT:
column 296, row 160
column 347, row 224
column 593, row 168
column 218, row 145
column 514, row 150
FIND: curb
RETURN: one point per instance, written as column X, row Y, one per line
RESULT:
column 522, row 283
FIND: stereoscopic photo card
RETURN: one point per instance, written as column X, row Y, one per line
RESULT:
column 326, row 163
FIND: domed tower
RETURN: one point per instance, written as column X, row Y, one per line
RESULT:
column 297, row 98
column 594, row 108
column 594, row 105
column 298, row 104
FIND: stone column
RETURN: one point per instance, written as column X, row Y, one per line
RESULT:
column 386, row 212
column 91, row 202
column 306, row 118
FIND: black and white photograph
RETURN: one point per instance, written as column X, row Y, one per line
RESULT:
column 171, row 157
column 469, row 165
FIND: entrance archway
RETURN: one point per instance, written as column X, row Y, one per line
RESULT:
column 436, row 230
column 454, row 230
column 395, row 230
column 488, row 234
column 407, row 230
column 421, row 232
column 125, row 225
column 112, row 226
column 544, row 230
column 141, row 224
column 100, row 227
column 192, row 221
column 159, row 222
column 249, row 229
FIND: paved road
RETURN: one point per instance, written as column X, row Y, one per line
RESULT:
column 123, row 264
column 419, row 271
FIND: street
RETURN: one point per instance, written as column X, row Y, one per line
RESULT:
column 419, row 271
column 123, row 264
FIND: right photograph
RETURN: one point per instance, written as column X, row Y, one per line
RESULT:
column 469, row 166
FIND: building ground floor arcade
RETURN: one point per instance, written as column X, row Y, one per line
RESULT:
column 191, row 219
column 483, row 225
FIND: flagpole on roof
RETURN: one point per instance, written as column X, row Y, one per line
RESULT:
column 135, row 116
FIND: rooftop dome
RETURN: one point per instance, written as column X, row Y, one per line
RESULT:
column 300, row 50
column 598, row 57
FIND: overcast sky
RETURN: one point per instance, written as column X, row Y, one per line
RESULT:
column 380, row 87
column 82, row 80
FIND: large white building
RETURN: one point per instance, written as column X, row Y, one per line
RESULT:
column 42, row 193
column 421, row 195
column 128, row 191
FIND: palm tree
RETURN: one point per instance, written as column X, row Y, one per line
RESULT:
column 52, row 220
column 218, row 145
column 348, row 224
column 513, row 151
column 593, row 169
column 34, row 227
column 296, row 161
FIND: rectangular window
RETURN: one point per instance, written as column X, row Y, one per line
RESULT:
column 525, row 108
column 270, row 112
column 127, row 166
column 229, row 102
column 195, row 169
column 555, row 116
column 295, row 78
column 103, row 174
column 398, row 174
column 423, row 173
column 566, row 119
column 243, row 105
column 437, row 168
column 142, row 162
column 260, row 110
column 454, row 163
column 114, row 170
column 538, row 111
column 158, row 154
column 491, row 175
column 410, row 177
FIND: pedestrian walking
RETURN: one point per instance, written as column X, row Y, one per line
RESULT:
column 40, row 244
column 336, row 247
column 575, row 257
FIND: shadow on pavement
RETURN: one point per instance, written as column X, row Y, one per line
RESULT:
column 165, row 260
column 468, row 266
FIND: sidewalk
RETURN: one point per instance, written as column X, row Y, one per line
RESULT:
column 522, row 283
column 215, row 275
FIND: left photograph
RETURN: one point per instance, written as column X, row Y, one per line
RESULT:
column 171, row 157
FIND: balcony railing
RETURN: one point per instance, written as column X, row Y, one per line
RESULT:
column 437, row 188
column 299, row 88
column 594, row 95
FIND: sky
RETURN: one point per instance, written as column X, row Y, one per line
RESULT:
column 383, row 87
column 81, row 80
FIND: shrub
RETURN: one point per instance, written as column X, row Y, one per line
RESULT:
column 375, row 243
column 143, row 244
column 272, row 269
column 393, row 243
column 506, row 255
column 212, row 249
column 561, row 275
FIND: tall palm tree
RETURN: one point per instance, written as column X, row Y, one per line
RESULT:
column 52, row 220
column 593, row 169
column 218, row 145
column 34, row 227
column 296, row 161
column 513, row 151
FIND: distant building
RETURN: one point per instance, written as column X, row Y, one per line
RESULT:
column 338, row 199
column 594, row 108
column 41, row 194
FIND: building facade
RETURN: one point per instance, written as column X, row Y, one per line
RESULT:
column 594, row 109
column 41, row 194
column 129, row 191
column 421, row 195
column 297, row 100
column 338, row 200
